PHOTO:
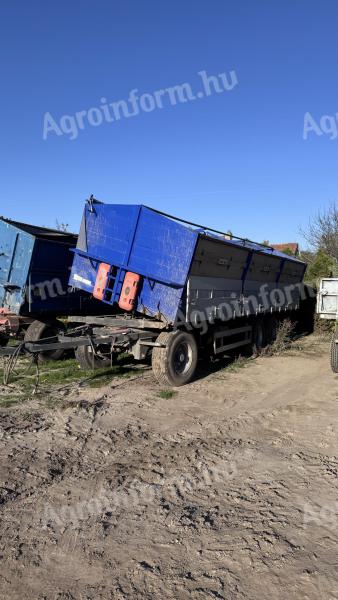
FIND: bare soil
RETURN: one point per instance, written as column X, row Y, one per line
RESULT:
column 225, row 489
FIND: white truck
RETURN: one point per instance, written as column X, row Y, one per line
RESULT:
column 327, row 308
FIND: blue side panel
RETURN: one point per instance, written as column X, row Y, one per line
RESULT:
column 106, row 235
column 135, row 238
column 48, row 279
column 107, row 232
column 83, row 273
column 157, row 299
column 162, row 248
column 16, row 248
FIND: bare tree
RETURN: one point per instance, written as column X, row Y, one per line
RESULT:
column 322, row 232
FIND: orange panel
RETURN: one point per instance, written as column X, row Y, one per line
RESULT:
column 101, row 281
column 129, row 291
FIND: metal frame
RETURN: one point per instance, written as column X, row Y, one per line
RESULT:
column 118, row 321
column 109, row 331
column 226, row 333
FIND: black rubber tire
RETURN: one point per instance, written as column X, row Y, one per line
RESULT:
column 271, row 328
column 4, row 339
column 258, row 336
column 167, row 365
column 39, row 330
column 334, row 352
column 89, row 361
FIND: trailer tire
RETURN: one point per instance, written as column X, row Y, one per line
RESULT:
column 4, row 339
column 40, row 330
column 258, row 336
column 271, row 329
column 89, row 361
column 175, row 363
column 334, row 352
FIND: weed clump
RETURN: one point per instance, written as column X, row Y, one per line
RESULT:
column 283, row 338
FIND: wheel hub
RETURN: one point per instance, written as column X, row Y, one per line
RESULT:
column 182, row 359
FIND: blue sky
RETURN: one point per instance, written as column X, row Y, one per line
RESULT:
column 233, row 160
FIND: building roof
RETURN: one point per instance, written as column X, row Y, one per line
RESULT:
column 293, row 246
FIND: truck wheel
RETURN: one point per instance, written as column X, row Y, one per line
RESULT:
column 334, row 353
column 38, row 330
column 89, row 361
column 175, row 364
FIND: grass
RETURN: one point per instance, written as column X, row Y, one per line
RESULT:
column 239, row 363
column 166, row 394
column 7, row 401
column 55, row 376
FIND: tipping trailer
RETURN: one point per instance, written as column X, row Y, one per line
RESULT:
column 327, row 308
column 183, row 291
column 35, row 263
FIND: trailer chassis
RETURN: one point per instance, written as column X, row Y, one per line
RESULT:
column 110, row 332
column 98, row 340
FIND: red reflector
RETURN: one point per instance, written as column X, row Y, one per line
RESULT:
column 101, row 281
column 129, row 291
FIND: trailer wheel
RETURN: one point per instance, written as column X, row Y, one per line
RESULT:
column 334, row 352
column 258, row 336
column 39, row 330
column 89, row 361
column 271, row 330
column 175, row 364
column 3, row 340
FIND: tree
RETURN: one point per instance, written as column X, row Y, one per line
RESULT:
column 320, row 265
column 322, row 231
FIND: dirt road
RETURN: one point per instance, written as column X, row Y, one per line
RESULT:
column 228, row 489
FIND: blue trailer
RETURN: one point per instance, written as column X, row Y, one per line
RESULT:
column 187, row 288
column 181, row 290
column 35, row 263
